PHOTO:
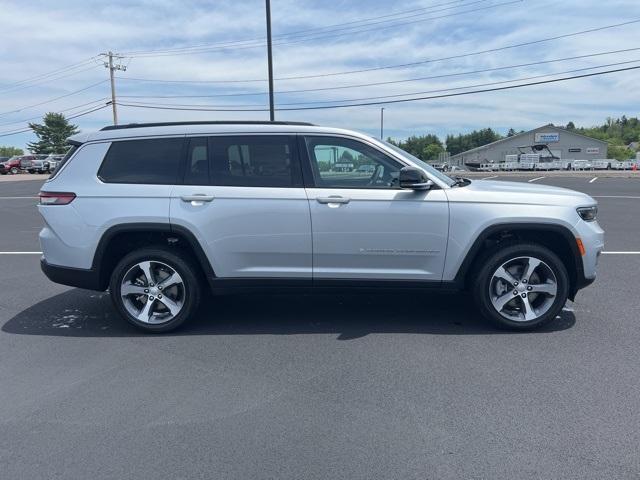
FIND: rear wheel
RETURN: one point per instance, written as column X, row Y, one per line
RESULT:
column 521, row 286
column 155, row 289
column 14, row 170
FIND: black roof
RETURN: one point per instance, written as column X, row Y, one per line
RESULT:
column 213, row 122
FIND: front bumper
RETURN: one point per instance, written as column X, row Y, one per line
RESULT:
column 592, row 237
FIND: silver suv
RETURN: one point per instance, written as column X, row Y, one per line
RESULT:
column 156, row 212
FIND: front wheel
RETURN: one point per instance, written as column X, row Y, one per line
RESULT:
column 14, row 170
column 521, row 286
column 155, row 289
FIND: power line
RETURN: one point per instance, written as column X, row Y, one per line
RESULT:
column 390, row 67
column 53, row 99
column 459, row 3
column 53, row 72
column 8, row 133
column 464, row 87
column 464, row 55
column 411, row 93
column 385, row 102
column 47, row 80
column 390, row 82
column 333, row 35
column 93, row 103
column 261, row 41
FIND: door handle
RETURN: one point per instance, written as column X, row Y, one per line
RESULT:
column 333, row 199
column 198, row 197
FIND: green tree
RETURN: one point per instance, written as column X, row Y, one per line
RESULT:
column 511, row 132
column 620, row 152
column 477, row 138
column 10, row 151
column 570, row 126
column 52, row 134
column 432, row 151
column 422, row 146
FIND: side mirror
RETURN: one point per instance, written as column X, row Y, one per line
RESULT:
column 414, row 179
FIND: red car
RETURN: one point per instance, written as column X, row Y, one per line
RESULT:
column 14, row 164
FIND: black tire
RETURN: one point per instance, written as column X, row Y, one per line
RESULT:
column 488, row 265
column 171, row 258
column 14, row 170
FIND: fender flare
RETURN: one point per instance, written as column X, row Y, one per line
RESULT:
column 138, row 227
column 577, row 276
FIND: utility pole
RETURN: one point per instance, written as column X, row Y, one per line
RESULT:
column 112, row 68
column 382, row 123
column 272, row 115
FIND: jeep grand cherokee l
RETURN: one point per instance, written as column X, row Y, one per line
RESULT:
column 157, row 212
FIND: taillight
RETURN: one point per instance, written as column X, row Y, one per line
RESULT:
column 56, row 198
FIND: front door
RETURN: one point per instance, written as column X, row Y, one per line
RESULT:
column 242, row 196
column 364, row 226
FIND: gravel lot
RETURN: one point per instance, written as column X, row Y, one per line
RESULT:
column 318, row 386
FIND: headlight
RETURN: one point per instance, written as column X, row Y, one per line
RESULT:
column 588, row 214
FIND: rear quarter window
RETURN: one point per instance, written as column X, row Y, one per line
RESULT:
column 147, row 161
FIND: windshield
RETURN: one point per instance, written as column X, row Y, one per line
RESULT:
column 422, row 164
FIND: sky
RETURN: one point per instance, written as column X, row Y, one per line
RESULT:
column 193, row 54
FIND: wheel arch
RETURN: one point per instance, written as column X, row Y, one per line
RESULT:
column 558, row 238
column 121, row 239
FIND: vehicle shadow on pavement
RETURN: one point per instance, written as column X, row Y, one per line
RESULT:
column 80, row 313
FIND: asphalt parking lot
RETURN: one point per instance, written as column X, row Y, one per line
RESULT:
column 320, row 386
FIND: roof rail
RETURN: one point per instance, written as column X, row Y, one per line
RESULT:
column 212, row 122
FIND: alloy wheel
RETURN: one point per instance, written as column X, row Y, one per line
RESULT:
column 152, row 292
column 523, row 289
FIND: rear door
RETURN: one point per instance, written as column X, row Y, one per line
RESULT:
column 243, row 198
column 364, row 225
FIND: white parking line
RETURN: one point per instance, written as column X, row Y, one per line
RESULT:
column 534, row 179
column 489, row 178
column 621, row 253
column 593, row 179
column 20, row 253
column 615, row 196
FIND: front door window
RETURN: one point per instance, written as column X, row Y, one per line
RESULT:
column 344, row 163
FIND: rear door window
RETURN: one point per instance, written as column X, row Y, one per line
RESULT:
column 254, row 161
column 197, row 165
column 147, row 161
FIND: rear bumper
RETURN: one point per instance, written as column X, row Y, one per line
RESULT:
column 73, row 277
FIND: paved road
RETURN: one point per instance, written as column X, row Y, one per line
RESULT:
column 298, row 386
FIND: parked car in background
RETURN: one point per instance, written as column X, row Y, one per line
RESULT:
column 11, row 166
column 26, row 162
column 54, row 161
column 39, row 164
column 44, row 163
column 4, row 159
column 601, row 164
column 623, row 165
column 581, row 165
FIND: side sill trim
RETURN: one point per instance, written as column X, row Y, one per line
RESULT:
column 241, row 284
